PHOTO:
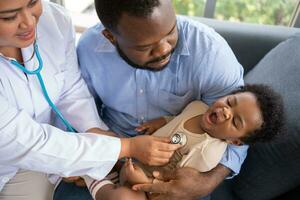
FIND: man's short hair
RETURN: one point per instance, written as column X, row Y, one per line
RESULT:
column 110, row 11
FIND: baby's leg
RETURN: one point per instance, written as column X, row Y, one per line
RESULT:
column 113, row 192
column 106, row 190
column 133, row 174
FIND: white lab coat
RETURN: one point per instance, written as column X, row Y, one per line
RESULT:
column 26, row 139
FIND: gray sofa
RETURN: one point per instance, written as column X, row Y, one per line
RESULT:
column 269, row 55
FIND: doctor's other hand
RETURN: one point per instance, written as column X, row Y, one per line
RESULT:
column 147, row 149
column 151, row 126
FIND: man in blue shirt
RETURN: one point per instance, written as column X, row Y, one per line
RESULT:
column 144, row 63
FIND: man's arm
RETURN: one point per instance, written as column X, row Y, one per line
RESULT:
column 185, row 183
column 101, row 132
column 149, row 127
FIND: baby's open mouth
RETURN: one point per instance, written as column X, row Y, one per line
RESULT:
column 213, row 117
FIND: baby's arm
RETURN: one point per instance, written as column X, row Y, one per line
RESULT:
column 151, row 126
column 132, row 174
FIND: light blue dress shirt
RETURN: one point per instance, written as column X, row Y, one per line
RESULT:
column 202, row 67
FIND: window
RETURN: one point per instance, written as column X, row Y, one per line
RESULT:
column 273, row 12
column 82, row 12
column 190, row 7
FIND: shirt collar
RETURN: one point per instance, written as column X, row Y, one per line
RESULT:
column 103, row 44
column 7, row 58
column 182, row 47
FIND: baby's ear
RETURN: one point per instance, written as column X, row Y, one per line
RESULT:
column 236, row 142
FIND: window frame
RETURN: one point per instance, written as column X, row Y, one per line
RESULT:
column 209, row 12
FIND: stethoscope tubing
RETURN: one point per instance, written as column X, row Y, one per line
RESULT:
column 37, row 72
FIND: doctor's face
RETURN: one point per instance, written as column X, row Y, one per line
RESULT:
column 18, row 20
column 146, row 43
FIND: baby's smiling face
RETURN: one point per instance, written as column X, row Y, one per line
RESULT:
column 232, row 117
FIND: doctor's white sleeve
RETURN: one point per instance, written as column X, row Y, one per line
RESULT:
column 41, row 147
column 76, row 103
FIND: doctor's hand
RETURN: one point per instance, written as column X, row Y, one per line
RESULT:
column 147, row 149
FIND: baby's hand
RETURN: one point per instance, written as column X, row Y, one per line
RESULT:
column 151, row 126
column 132, row 174
column 75, row 179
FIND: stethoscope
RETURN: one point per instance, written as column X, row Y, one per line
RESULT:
column 37, row 72
column 179, row 138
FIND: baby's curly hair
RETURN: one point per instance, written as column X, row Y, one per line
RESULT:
column 110, row 11
column 272, row 109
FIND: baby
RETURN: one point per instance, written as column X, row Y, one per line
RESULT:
column 251, row 114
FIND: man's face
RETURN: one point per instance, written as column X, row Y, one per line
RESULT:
column 146, row 42
column 232, row 117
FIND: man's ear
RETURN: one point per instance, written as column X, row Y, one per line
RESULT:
column 109, row 36
column 236, row 142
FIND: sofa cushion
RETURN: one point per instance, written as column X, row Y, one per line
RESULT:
column 249, row 42
column 274, row 168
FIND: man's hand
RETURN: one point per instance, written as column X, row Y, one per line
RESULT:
column 149, row 150
column 184, row 183
column 151, row 126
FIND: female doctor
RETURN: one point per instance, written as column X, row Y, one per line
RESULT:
column 38, row 75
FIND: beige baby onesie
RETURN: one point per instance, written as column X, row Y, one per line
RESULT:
column 200, row 152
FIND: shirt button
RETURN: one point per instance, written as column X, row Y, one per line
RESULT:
column 141, row 91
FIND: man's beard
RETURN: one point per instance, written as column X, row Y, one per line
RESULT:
column 144, row 67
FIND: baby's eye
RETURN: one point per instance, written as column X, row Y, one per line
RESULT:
column 143, row 49
column 32, row 3
column 9, row 18
column 228, row 102
column 234, row 123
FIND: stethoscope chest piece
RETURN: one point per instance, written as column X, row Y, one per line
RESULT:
column 179, row 138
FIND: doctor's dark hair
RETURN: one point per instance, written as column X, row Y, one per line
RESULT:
column 110, row 11
column 272, row 110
